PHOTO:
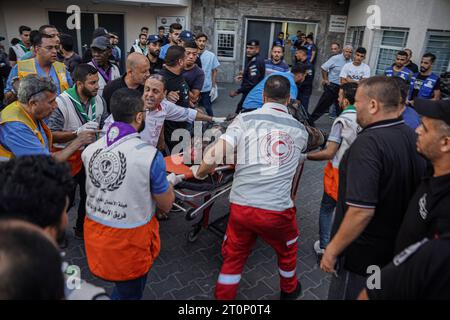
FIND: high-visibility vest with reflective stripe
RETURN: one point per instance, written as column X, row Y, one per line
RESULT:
column 16, row 113
column 350, row 129
column 26, row 67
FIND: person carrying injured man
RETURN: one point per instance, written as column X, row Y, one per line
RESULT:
column 269, row 145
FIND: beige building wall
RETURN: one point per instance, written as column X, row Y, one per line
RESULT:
column 416, row 15
column 136, row 14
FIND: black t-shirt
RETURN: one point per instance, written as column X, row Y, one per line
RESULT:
column 157, row 66
column 413, row 67
column 428, row 213
column 12, row 55
column 381, row 171
column 307, row 85
column 420, row 273
column 115, row 85
column 419, row 82
column 72, row 62
column 175, row 82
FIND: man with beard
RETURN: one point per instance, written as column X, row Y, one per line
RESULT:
column 127, row 178
column 174, row 34
column 370, row 208
column 276, row 62
column 253, row 73
column 137, row 72
column 141, row 46
column 425, row 84
column 101, row 51
column 36, row 189
column 399, row 69
column 153, row 50
column 79, row 109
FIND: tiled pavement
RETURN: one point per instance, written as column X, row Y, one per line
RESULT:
column 186, row 270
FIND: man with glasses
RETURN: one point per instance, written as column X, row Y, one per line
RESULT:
column 44, row 64
column 22, row 128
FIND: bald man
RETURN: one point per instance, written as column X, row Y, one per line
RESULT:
column 137, row 72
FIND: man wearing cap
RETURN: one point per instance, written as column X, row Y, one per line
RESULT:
column 134, row 78
column 141, row 45
column 428, row 214
column 154, row 43
column 174, row 34
column 253, row 73
column 101, row 51
column 99, row 32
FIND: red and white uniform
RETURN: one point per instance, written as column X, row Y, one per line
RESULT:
column 269, row 144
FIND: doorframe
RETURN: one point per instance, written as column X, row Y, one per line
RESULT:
column 96, row 13
column 272, row 28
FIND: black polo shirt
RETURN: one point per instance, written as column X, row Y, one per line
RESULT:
column 419, row 273
column 428, row 213
column 381, row 171
column 115, row 85
column 157, row 66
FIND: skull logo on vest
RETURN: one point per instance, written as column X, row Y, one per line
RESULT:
column 107, row 170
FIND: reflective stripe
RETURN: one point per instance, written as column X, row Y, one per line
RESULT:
column 271, row 118
column 225, row 238
column 229, row 278
column 291, row 241
column 287, row 274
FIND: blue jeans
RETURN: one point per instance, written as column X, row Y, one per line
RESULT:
column 129, row 290
column 325, row 219
column 205, row 101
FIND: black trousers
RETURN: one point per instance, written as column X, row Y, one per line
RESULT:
column 79, row 180
column 239, row 106
column 329, row 96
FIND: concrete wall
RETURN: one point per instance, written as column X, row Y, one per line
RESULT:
column 416, row 15
column 35, row 13
column 205, row 12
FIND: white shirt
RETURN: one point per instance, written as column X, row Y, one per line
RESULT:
column 269, row 144
column 356, row 73
column 115, row 73
column 154, row 120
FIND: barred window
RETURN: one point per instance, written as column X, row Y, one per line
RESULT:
column 438, row 43
column 388, row 42
column 225, row 35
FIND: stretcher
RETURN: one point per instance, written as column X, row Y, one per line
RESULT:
column 196, row 198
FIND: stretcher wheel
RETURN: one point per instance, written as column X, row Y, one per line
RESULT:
column 193, row 234
column 189, row 216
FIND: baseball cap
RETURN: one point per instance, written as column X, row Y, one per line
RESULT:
column 186, row 35
column 101, row 43
column 153, row 38
column 100, row 31
column 253, row 43
column 439, row 110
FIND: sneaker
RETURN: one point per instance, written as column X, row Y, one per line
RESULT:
column 292, row 295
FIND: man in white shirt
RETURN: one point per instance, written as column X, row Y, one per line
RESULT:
column 357, row 70
column 210, row 66
column 160, row 109
column 269, row 144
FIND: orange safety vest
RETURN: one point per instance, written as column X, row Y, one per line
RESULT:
column 133, row 251
column 331, row 180
column 26, row 67
column 16, row 113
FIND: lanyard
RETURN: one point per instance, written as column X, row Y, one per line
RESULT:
column 102, row 72
column 72, row 92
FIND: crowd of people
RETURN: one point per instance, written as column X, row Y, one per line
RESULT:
column 74, row 122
